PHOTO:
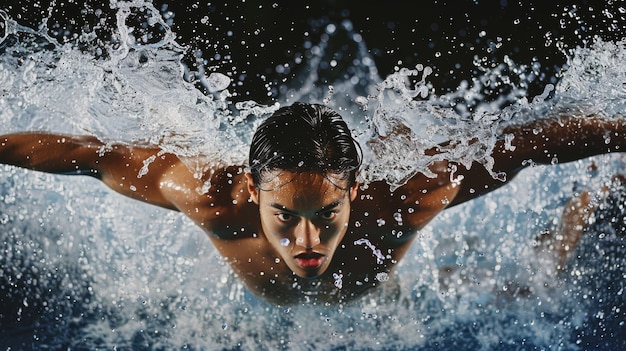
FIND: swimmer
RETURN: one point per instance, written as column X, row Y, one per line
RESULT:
column 294, row 224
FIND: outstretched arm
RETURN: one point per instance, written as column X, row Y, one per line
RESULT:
column 547, row 141
column 51, row 153
column 132, row 171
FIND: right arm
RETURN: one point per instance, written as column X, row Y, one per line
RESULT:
column 121, row 167
column 144, row 173
column 51, row 153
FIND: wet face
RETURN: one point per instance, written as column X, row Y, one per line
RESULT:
column 304, row 217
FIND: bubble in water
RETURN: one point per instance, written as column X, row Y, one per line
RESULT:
column 284, row 242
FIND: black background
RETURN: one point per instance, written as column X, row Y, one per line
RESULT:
column 248, row 40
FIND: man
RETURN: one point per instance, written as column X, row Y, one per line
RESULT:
column 298, row 227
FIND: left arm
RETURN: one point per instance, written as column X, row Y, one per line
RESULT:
column 547, row 141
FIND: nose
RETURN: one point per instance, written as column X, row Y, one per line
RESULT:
column 307, row 234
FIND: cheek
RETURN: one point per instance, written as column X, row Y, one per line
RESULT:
column 269, row 224
column 336, row 229
column 273, row 230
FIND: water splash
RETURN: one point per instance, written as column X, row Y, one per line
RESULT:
column 70, row 248
column 380, row 258
column 135, row 94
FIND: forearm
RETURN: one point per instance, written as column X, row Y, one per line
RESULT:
column 562, row 140
column 50, row 152
column 548, row 141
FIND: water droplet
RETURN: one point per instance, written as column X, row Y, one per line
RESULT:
column 398, row 217
column 382, row 277
column 217, row 82
column 338, row 280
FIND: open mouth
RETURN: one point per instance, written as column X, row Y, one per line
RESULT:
column 309, row 260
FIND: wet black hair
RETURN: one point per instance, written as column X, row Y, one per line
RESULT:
column 304, row 138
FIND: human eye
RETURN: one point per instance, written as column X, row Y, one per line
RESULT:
column 284, row 217
column 328, row 215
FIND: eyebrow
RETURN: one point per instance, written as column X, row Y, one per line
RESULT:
column 320, row 210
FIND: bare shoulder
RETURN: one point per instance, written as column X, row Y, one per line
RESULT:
column 413, row 204
column 390, row 219
column 216, row 199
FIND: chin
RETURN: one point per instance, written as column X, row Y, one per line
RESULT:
column 312, row 274
column 309, row 275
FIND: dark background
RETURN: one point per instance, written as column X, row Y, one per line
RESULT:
column 248, row 40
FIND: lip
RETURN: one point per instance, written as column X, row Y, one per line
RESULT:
column 309, row 260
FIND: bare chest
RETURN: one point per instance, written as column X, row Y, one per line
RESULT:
column 357, row 267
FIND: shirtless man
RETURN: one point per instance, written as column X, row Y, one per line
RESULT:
column 298, row 227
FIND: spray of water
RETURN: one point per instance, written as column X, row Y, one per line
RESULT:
column 80, row 272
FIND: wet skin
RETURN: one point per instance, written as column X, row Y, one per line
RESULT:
column 342, row 239
column 313, row 236
column 304, row 217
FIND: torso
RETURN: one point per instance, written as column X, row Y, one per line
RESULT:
column 382, row 226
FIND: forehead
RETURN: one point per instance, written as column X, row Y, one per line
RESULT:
column 293, row 187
